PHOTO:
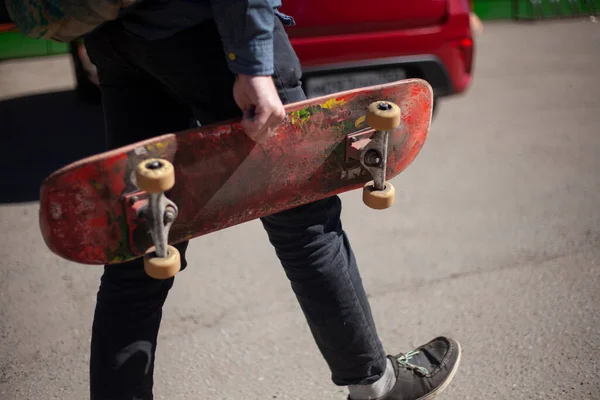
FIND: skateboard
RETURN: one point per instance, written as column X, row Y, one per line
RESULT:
column 140, row 199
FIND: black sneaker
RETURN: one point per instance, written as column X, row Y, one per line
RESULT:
column 425, row 372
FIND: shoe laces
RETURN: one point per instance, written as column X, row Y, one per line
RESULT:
column 404, row 361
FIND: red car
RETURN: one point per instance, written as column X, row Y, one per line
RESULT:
column 343, row 44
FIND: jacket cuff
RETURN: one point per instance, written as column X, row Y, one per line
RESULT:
column 246, row 30
column 255, row 58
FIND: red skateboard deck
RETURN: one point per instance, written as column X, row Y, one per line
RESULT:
column 89, row 209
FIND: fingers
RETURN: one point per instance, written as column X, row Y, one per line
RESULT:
column 263, row 124
column 261, row 105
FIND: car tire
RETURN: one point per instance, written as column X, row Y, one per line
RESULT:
column 435, row 107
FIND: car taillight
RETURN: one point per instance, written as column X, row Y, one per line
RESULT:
column 465, row 48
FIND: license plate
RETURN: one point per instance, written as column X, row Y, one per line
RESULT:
column 333, row 83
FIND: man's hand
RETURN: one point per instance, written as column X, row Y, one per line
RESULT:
column 258, row 99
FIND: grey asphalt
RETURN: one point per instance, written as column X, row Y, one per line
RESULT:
column 495, row 240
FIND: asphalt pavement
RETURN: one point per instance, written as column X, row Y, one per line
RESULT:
column 494, row 239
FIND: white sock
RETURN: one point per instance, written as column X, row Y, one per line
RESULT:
column 377, row 389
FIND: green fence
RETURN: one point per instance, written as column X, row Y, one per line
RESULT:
column 493, row 9
column 17, row 45
column 534, row 9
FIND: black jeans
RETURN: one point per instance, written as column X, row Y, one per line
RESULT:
column 153, row 87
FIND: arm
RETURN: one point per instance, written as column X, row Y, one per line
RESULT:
column 246, row 30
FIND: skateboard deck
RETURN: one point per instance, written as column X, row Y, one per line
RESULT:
column 90, row 209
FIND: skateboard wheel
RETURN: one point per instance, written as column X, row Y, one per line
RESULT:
column 155, row 175
column 162, row 268
column 379, row 199
column 383, row 116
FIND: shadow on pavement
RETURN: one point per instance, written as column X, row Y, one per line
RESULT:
column 42, row 133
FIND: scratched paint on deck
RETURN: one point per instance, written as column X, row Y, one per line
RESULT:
column 222, row 178
column 333, row 103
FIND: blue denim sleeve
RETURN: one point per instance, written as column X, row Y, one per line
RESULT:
column 246, row 30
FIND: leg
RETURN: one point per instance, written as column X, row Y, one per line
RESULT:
column 129, row 303
column 319, row 262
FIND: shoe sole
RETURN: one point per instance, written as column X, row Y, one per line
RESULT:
column 444, row 385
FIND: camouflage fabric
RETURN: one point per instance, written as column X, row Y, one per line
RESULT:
column 63, row 20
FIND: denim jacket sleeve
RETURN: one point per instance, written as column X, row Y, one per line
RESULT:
column 246, row 30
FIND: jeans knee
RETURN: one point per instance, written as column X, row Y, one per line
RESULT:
column 307, row 239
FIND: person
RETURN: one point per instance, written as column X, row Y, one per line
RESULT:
column 165, row 65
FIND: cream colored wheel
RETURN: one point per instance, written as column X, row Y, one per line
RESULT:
column 383, row 116
column 155, row 175
column 162, row 268
column 379, row 199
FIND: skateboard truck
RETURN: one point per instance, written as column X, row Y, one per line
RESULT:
column 383, row 117
column 156, row 176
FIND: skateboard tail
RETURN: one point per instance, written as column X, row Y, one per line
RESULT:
column 79, row 202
